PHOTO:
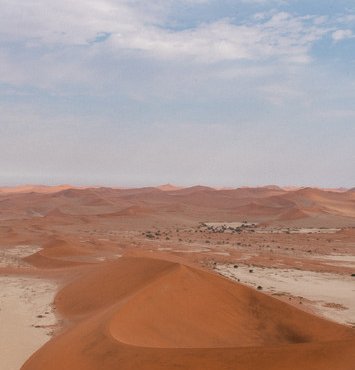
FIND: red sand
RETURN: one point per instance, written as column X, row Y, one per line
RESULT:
column 149, row 310
column 154, row 314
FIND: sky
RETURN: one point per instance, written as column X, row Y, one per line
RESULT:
column 140, row 93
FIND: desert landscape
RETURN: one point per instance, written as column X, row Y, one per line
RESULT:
column 177, row 277
column 177, row 185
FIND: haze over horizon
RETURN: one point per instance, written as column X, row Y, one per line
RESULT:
column 218, row 93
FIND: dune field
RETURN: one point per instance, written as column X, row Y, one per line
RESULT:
column 177, row 278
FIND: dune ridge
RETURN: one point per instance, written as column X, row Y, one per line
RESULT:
column 272, row 205
column 56, row 254
column 149, row 313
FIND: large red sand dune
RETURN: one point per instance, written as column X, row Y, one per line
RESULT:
column 144, row 313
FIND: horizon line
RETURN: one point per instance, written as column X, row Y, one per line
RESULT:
column 173, row 186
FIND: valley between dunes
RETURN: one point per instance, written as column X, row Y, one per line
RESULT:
column 137, row 276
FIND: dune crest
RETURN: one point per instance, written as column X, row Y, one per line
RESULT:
column 143, row 313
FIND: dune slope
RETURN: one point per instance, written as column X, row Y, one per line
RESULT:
column 144, row 313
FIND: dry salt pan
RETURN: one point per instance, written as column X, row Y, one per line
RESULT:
column 26, row 318
column 331, row 295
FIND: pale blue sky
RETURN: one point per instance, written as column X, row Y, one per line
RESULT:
column 129, row 93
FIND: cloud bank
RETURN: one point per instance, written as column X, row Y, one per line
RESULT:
column 100, row 77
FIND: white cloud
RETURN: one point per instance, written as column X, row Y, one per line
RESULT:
column 347, row 18
column 281, row 36
column 133, row 27
column 340, row 35
column 49, row 44
column 52, row 48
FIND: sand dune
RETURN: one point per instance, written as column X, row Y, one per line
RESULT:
column 169, row 187
column 146, row 313
column 55, row 253
column 149, row 310
column 265, row 204
column 293, row 214
column 34, row 188
column 131, row 211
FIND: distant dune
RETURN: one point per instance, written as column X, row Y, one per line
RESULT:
column 269, row 204
column 34, row 188
column 131, row 211
column 55, row 254
column 169, row 187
